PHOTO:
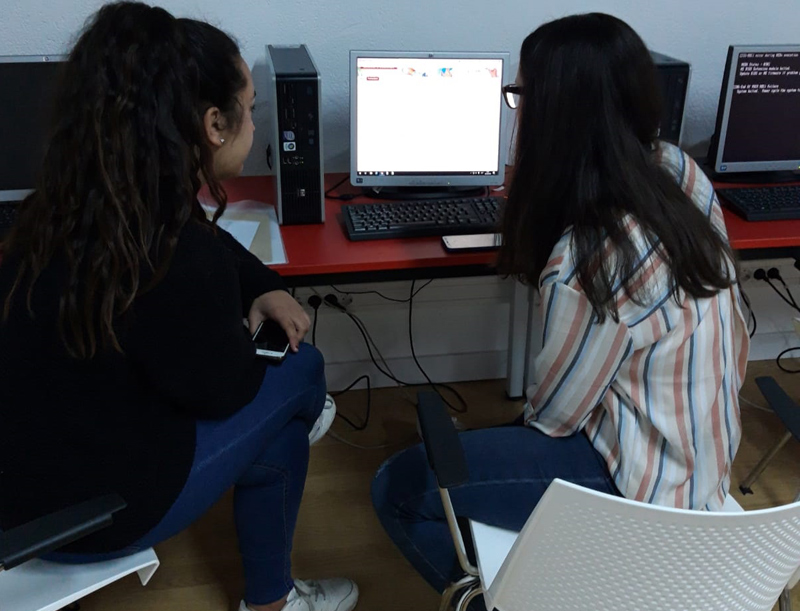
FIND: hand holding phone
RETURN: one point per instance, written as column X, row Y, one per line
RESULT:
column 271, row 341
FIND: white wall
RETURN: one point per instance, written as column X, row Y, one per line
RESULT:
column 697, row 31
column 460, row 325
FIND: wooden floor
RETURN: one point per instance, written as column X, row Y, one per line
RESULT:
column 338, row 533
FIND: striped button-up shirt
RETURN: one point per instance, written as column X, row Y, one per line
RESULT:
column 657, row 392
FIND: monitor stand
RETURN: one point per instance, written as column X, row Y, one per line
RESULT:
column 752, row 178
column 412, row 193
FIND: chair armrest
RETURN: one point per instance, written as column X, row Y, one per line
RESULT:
column 57, row 529
column 786, row 409
column 445, row 453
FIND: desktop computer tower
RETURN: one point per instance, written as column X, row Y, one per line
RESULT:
column 294, row 151
column 673, row 76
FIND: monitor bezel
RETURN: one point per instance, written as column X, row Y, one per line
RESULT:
column 723, row 114
column 441, row 180
column 13, row 195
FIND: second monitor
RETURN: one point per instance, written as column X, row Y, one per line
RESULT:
column 432, row 120
column 758, row 124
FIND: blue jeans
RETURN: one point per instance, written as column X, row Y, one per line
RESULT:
column 509, row 470
column 262, row 450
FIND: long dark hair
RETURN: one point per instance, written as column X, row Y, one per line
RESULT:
column 124, row 163
column 587, row 130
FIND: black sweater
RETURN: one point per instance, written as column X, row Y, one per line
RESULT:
column 73, row 429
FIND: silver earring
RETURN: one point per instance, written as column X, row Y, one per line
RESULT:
column 222, row 140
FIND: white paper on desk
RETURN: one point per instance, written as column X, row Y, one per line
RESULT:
column 265, row 241
column 243, row 231
column 276, row 240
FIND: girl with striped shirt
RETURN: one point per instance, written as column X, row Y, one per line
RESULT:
column 644, row 342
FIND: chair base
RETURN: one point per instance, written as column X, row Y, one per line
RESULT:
column 471, row 594
column 468, row 583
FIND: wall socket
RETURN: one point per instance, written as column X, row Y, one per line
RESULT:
column 785, row 266
column 345, row 299
column 302, row 295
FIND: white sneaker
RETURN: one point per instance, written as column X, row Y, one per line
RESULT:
column 322, row 595
column 324, row 421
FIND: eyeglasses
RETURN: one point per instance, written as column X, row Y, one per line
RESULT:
column 511, row 94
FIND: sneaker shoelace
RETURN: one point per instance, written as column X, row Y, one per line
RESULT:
column 310, row 591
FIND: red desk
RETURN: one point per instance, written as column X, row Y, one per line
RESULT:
column 757, row 235
column 748, row 235
column 324, row 250
column 322, row 254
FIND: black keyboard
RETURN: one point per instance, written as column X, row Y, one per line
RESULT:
column 414, row 219
column 770, row 203
column 8, row 214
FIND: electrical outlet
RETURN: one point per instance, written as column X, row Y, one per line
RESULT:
column 785, row 266
column 345, row 299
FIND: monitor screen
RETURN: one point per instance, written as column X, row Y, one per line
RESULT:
column 27, row 87
column 427, row 118
column 758, row 125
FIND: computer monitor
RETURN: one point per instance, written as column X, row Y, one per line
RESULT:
column 420, row 119
column 758, row 121
column 27, row 88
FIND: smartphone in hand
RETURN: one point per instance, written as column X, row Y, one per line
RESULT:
column 271, row 341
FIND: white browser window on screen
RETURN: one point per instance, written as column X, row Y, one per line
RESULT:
column 428, row 115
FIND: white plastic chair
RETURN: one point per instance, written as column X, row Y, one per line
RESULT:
column 581, row 549
column 38, row 585
column 28, row 583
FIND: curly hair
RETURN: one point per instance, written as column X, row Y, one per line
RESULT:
column 126, row 157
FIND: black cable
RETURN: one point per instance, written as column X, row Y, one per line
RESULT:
column 336, row 186
column 411, row 296
column 362, row 426
column 789, row 292
column 774, row 273
column 314, row 328
column 345, row 197
column 378, row 293
column 752, row 314
column 357, row 322
column 315, row 301
column 760, row 274
column 384, row 369
column 781, row 295
column 364, row 328
column 778, row 360
column 330, row 300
